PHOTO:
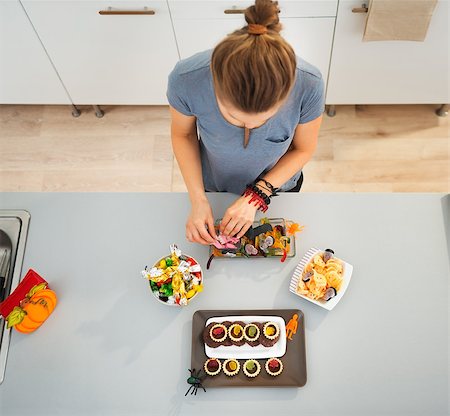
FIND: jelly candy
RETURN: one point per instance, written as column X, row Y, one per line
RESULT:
column 270, row 330
column 273, row 364
column 218, row 331
column 250, row 366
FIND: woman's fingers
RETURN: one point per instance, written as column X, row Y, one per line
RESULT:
column 196, row 238
column 230, row 227
column 204, row 234
column 198, row 234
column 244, row 229
column 211, row 228
column 236, row 229
column 225, row 220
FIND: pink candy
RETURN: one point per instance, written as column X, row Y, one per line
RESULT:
column 224, row 241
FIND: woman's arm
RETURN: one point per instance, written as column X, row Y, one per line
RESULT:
column 240, row 215
column 303, row 146
column 187, row 152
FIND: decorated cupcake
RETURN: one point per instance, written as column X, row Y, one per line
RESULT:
column 274, row 367
column 251, row 368
column 270, row 334
column 218, row 333
column 212, row 366
column 236, row 333
column 231, row 367
column 207, row 338
column 252, row 332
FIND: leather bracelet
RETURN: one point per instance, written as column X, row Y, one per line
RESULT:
column 272, row 189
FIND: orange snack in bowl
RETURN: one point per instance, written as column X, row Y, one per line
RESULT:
column 29, row 306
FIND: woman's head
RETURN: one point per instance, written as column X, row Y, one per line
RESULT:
column 254, row 67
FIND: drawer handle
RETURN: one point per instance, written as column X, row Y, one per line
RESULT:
column 234, row 11
column 362, row 9
column 110, row 11
column 238, row 11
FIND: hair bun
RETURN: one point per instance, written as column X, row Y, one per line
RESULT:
column 263, row 13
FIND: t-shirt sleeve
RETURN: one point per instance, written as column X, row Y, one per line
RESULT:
column 177, row 92
column 314, row 101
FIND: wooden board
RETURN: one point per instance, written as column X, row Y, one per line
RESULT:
column 294, row 361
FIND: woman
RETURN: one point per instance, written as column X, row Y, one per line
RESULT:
column 257, row 109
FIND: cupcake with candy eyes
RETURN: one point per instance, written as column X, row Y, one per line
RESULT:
column 236, row 333
column 274, row 367
column 252, row 332
column 212, row 366
column 270, row 334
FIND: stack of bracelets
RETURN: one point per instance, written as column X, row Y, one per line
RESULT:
column 260, row 198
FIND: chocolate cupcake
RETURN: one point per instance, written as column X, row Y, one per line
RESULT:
column 251, row 368
column 207, row 338
column 231, row 367
column 218, row 333
column 274, row 367
column 252, row 332
column 217, row 338
column 212, row 366
column 270, row 334
column 236, row 333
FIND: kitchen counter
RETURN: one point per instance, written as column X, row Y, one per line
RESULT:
column 111, row 349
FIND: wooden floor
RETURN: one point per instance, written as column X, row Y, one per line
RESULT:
column 361, row 149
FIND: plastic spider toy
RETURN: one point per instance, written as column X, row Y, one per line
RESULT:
column 195, row 382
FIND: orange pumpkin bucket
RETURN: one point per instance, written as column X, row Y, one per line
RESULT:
column 31, row 303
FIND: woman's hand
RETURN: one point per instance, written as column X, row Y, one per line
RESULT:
column 238, row 217
column 200, row 224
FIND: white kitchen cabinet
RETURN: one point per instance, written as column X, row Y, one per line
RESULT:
column 308, row 26
column 26, row 73
column 388, row 72
column 104, row 58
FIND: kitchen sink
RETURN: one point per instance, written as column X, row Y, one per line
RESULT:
column 14, row 223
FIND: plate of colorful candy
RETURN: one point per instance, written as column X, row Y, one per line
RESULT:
column 268, row 237
column 321, row 278
column 175, row 279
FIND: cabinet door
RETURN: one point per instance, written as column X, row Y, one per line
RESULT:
column 389, row 72
column 201, row 25
column 108, row 58
column 26, row 73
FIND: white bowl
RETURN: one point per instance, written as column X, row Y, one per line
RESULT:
column 155, row 294
column 329, row 305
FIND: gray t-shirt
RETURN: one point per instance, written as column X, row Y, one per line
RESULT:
column 226, row 165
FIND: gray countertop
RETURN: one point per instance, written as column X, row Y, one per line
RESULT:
column 111, row 349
